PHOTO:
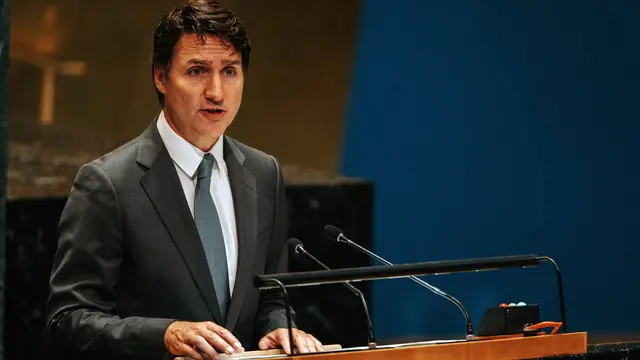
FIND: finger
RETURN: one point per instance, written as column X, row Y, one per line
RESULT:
column 203, row 347
column 226, row 335
column 310, row 344
column 217, row 342
column 282, row 338
column 318, row 344
column 300, row 342
column 266, row 343
column 191, row 353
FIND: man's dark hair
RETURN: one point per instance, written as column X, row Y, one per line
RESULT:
column 203, row 18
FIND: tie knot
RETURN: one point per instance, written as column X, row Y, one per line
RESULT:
column 204, row 169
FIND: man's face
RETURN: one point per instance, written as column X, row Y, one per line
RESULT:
column 202, row 89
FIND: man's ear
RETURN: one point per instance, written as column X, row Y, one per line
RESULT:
column 160, row 79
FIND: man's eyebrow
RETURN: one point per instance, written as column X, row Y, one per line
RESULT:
column 196, row 61
column 231, row 62
column 199, row 62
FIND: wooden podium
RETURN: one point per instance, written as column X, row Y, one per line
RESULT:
column 534, row 345
column 491, row 349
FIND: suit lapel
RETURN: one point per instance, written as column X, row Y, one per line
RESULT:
column 163, row 187
column 243, row 188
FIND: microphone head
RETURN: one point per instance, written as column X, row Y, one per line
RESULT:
column 295, row 245
column 334, row 233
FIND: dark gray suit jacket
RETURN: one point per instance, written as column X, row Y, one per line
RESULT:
column 129, row 258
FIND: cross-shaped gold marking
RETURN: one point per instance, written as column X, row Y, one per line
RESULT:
column 41, row 53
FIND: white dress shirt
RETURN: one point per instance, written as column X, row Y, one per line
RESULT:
column 186, row 158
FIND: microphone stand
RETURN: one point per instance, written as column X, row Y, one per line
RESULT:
column 287, row 309
column 469, row 331
column 371, row 337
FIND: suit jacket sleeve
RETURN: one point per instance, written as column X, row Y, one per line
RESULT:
column 272, row 314
column 81, row 309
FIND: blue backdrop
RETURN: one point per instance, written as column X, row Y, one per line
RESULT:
column 497, row 128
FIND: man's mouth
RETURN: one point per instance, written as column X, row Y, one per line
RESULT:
column 213, row 111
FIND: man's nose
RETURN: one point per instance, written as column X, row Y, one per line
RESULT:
column 213, row 91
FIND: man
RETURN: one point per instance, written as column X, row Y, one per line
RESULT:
column 160, row 239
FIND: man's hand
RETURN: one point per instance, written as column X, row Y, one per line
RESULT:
column 200, row 340
column 304, row 342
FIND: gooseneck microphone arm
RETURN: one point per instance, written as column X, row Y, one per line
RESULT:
column 299, row 249
column 563, row 313
column 336, row 234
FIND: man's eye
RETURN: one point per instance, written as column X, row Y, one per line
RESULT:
column 230, row 72
column 195, row 71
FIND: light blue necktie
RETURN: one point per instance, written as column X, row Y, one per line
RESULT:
column 210, row 230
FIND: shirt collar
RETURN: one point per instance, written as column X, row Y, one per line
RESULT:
column 183, row 153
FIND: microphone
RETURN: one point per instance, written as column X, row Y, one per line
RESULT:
column 335, row 234
column 298, row 248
